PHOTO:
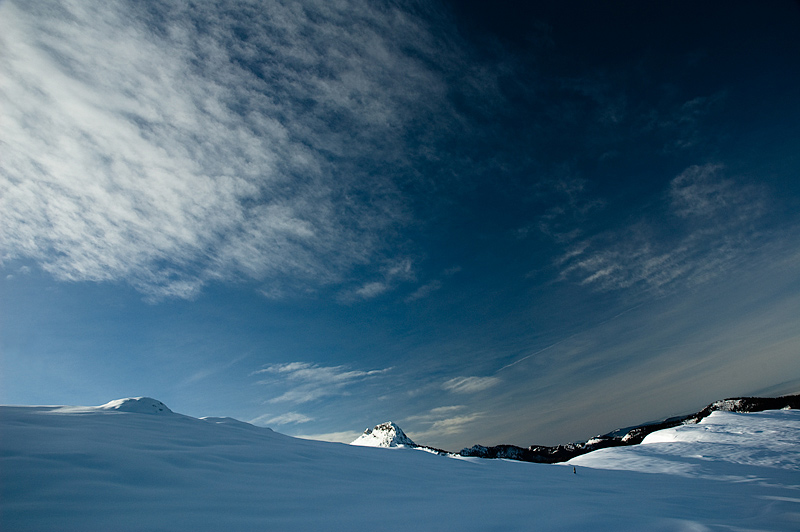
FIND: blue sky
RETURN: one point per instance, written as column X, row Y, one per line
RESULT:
column 489, row 224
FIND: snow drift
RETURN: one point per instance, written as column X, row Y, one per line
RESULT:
column 133, row 465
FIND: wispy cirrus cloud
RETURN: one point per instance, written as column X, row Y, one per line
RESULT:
column 454, row 425
column 442, row 421
column 371, row 289
column 681, row 123
column 394, row 272
column 308, row 382
column 345, row 436
column 170, row 147
column 570, row 205
column 435, row 414
column 289, row 418
column 701, row 192
column 424, row 291
column 469, row 384
column 713, row 222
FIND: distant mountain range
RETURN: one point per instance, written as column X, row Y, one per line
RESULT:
column 390, row 435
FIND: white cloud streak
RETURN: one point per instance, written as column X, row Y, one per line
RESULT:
column 700, row 192
column 442, row 421
column 713, row 225
column 345, row 436
column 289, row 418
column 395, row 271
column 309, row 382
column 170, row 146
column 435, row 413
column 370, row 290
column 470, row 384
column 424, row 291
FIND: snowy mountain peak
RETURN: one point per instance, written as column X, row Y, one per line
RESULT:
column 137, row 405
column 384, row 435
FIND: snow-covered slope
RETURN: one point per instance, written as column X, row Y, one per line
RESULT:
column 139, row 405
column 729, row 444
column 630, row 435
column 384, row 435
column 105, row 468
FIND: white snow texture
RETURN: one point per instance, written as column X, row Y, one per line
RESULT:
column 119, row 467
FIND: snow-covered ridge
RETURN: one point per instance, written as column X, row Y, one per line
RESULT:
column 628, row 436
column 384, row 435
column 138, row 405
column 130, row 405
column 119, row 467
column 741, row 440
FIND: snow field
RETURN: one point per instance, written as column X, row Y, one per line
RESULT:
column 95, row 468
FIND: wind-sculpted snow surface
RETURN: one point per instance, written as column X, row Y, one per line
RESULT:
column 100, row 468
